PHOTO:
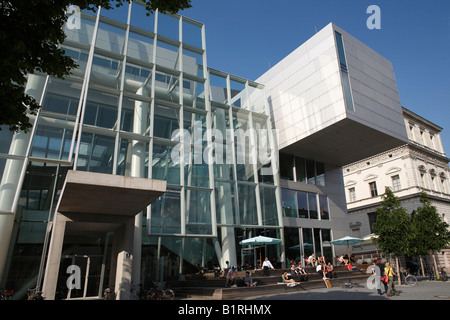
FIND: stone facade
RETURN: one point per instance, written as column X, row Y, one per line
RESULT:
column 418, row 166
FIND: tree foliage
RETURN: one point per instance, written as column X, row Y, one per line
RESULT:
column 29, row 34
column 393, row 225
column 430, row 232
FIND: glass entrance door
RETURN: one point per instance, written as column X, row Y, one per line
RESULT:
column 84, row 276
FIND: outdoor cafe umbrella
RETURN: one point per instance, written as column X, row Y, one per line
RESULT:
column 259, row 240
column 370, row 238
column 347, row 241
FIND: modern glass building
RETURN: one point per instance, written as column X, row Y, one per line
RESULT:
column 144, row 104
column 147, row 165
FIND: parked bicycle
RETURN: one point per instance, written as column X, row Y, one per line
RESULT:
column 155, row 293
column 407, row 278
column 350, row 284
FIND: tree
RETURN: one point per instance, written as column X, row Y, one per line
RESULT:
column 393, row 226
column 29, row 34
column 430, row 232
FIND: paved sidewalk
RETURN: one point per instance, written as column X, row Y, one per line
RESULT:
column 423, row 290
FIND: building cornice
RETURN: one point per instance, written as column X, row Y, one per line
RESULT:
column 375, row 205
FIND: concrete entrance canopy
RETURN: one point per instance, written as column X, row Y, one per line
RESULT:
column 96, row 193
column 95, row 203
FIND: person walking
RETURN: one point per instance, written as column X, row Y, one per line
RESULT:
column 390, row 273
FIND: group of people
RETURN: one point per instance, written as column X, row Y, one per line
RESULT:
column 298, row 270
column 233, row 279
column 313, row 261
column 325, row 270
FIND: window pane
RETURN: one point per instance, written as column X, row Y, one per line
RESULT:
column 196, row 171
column 320, row 172
column 308, row 242
column 135, row 116
column 167, row 55
column 238, row 93
column 166, row 121
column 225, row 202
column 96, row 153
column 140, row 19
column 373, row 189
column 218, row 90
column 110, row 38
column 247, row 204
column 317, row 243
column 163, row 166
column 82, row 34
column 60, row 104
column 198, row 212
column 167, row 87
column 286, row 167
column 292, row 244
column 289, row 203
column 194, row 94
column 192, row 34
column 312, row 203
column 138, row 80
column 140, row 47
column 300, row 169
column 133, row 158
column 310, row 171
column 166, row 214
column 193, row 63
column 341, row 52
column 52, row 142
column 268, row 206
column 168, row 26
column 302, row 204
column 101, row 109
column 324, row 211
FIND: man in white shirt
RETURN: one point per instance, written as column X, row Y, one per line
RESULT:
column 266, row 266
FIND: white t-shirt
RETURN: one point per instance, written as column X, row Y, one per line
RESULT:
column 267, row 263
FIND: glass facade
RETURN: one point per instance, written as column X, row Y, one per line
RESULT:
column 143, row 103
column 302, row 170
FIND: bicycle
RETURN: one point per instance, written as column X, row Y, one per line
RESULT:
column 155, row 293
column 407, row 278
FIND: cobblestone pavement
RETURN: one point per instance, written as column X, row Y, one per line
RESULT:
column 423, row 290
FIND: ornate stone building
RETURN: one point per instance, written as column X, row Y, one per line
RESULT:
column 418, row 166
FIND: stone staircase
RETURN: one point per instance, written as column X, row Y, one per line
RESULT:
column 213, row 288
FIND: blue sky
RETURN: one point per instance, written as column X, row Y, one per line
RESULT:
column 247, row 37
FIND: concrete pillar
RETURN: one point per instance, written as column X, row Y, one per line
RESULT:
column 224, row 201
column 122, row 260
column 11, row 175
column 138, row 149
column 54, row 257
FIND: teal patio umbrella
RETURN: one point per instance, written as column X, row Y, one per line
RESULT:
column 347, row 241
column 259, row 240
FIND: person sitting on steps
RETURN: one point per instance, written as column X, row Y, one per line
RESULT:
column 285, row 279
